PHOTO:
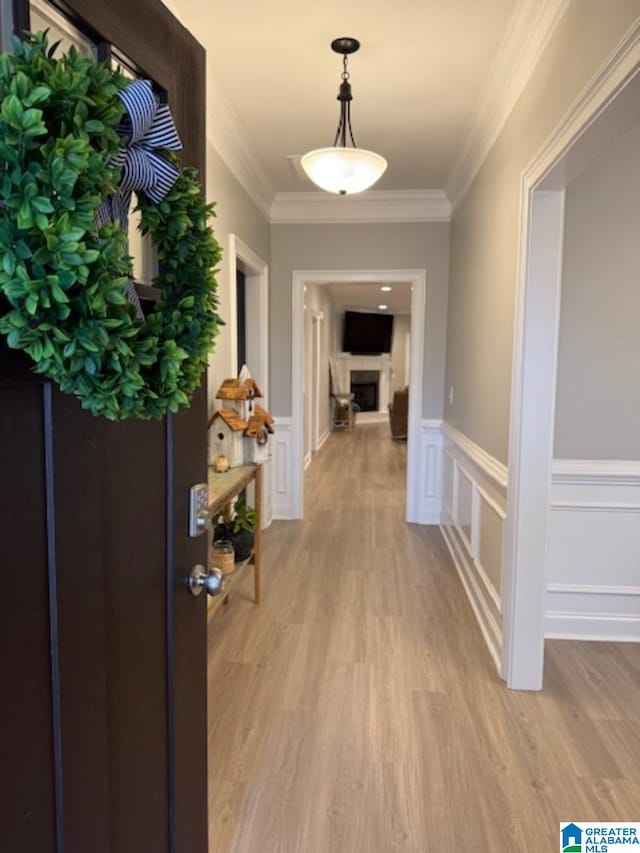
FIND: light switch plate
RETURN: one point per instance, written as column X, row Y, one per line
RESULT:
column 198, row 509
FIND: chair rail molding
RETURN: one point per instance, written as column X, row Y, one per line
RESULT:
column 489, row 465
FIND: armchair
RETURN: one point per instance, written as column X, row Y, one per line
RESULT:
column 399, row 413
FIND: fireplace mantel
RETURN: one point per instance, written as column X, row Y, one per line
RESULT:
column 345, row 363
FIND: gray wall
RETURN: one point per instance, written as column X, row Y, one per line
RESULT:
column 377, row 246
column 235, row 214
column 484, row 235
column 598, row 392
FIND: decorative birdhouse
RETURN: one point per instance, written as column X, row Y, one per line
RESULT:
column 242, row 432
column 226, row 437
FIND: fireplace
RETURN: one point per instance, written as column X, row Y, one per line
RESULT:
column 364, row 386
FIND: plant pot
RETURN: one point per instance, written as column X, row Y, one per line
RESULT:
column 242, row 544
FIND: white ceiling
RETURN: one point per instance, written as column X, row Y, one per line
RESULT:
column 368, row 296
column 416, row 80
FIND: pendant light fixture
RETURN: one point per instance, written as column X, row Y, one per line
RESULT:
column 341, row 169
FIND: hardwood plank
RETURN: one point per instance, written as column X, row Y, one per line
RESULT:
column 358, row 711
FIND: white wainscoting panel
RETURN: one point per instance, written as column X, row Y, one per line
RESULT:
column 593, row 577
column 281, row 467
column 473, row 516
column 430, row 477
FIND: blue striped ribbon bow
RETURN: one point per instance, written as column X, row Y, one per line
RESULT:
column 147, row 129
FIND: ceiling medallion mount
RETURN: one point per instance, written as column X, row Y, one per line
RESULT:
column 341, row 169
column 345, row 45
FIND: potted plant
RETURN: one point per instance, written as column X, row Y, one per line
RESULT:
column 238, row 525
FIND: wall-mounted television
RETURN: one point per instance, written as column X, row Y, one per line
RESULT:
column 367, row 334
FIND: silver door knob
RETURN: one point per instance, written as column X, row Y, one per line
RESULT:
column 212, row 581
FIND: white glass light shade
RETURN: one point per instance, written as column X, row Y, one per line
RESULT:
column 343, row 170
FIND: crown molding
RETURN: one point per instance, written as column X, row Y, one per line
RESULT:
column 226, row 135
column 373, row 206
column 530, row 29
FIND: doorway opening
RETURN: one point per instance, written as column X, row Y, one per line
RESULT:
column 604, row 112
column 248, row 322
column 416, row 280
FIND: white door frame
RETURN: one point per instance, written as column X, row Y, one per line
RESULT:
column 604, row 110
column 257, row 309
column 316, row 348
column 418, row 280
column 256, row 271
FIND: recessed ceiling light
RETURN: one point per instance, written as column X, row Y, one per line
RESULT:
column 382, row 307
column 386, row 288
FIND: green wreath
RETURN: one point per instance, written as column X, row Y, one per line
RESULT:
column 63, row 277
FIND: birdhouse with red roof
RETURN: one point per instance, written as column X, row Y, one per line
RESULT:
column 240, row 430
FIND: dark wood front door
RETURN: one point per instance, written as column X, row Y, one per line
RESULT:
column 102, row 647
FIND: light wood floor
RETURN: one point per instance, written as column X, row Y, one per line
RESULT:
column 356, row 710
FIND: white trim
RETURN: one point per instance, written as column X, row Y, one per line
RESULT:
column 489, row 465
column 257, row 296
column 229, row 139
column 281, row 469
column 530, row 30
column 594, row 506
column 466, row 550
column 592, row 589
column 61, row 22
column 534, row 370
column 372, row 206
column 609, row 472
column 418, row 280
column 325, row 435
column 493, row 505
column 314, row 392
column 600, row 554
column 430, row 507
column 597, row 627
column 469, row 575
column 257, row 318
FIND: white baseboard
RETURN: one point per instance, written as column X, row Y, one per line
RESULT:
column 594, row 551
column 325, row 435
column 593, row 627
column 281, row 467
column 474, row 586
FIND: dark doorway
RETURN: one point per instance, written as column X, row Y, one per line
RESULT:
column 364, row 385
column 241, row 303
column 102, row 647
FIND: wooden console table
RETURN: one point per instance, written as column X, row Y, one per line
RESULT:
column 223, row 488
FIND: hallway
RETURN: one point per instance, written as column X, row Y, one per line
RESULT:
column 356, row 710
